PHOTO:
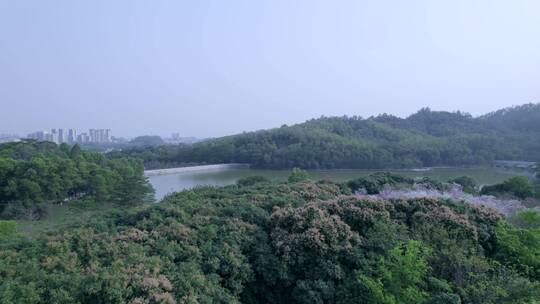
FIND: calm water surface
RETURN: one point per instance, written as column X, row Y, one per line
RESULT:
column 165, row 184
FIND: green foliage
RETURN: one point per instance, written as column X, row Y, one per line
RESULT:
column 529, row 219
column 467, row 183
column 147, row 140
column 445, row 298
column 425, row 139
column 157, row 157
column 374, row 183
column 518, row 186
column 75, row 151
column 402, row 276
column 252, row 180
column 520, row 248
column 298, row 175
column 275, row 242
column 7, row 228
column 405, row 272
column 33, row 174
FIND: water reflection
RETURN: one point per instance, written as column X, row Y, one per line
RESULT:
column 220, row 177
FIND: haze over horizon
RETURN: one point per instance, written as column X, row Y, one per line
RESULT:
column 210, row 68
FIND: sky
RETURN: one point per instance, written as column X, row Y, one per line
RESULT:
column 212, row 68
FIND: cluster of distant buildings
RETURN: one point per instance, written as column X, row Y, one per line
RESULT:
column 177, row 139
column 92, row 136
column 8, row 137
column 71, row 136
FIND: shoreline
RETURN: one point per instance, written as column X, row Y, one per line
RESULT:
column 167, row 171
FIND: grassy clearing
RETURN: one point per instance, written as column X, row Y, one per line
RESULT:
column 63, row 215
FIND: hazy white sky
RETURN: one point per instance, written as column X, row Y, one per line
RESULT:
column 210, row 68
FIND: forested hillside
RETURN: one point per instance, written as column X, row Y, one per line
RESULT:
column 293, row 242
column 427, row 138
column 34, row 174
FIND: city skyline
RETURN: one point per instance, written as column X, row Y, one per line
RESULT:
column 71, row 136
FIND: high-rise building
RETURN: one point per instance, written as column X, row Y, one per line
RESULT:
column 103, row 135
column 62, row 136
column 50, row 137
column 39, row 135
column 6, row 137
column 72, row 136
column 53, row 136
column 83, row 138
column 93, row 135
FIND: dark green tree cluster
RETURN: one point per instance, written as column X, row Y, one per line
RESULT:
column 7, row 228
column 271, row 242
column 298, row 175
column 424, row 139
column 156, row 157
column 518, row 186
column 147, row 141
column 375, row 183
column 33, row 174
column 468, row 184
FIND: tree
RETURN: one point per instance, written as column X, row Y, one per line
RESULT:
column 519, row 248
column 7, row 229
column 252, row 180
column 298, row 175
column 427, row 138
column 147, row 140
column 51, row 175
column 403, row 275
column 467, row 183
column 529, row 219
column 518, row 186
column 313, row 252
column 274, row 242
column 75, row 151
column 131, row 186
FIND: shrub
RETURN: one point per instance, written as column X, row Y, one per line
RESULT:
column 467, row 183
column 518, row 186
column 298, row 175
column 7, row 228
column 252, row 180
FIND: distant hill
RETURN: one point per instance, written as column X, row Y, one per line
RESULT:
column 426, row 138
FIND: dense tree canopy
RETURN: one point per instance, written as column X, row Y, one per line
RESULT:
column 424, row 139
column 35, row 173
column 280, row 242
column 147, row 140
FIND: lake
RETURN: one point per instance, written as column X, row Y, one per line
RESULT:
column 167, row 183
